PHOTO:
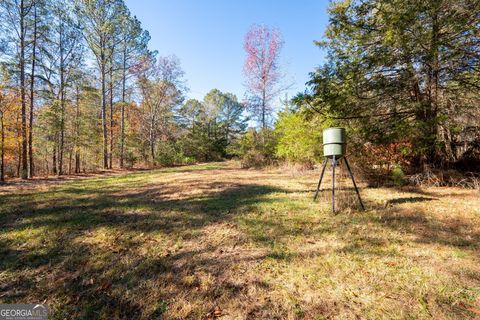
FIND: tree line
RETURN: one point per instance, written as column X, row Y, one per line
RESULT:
column 60, row 58
column 80, row 90
column 403, row 74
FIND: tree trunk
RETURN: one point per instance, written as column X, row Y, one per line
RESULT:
column 19, row 162
column 24, row 169
column 19, row 148
column 62, row 107
column 152, row 139
column 429, row 118
column 2, row 151
column 104, row 114
column 264, row 124
column 62, row 138
column 77, row 132
column 47, row 167
column 54, row 159
column 434, row 88
column 122, row 116
column 32, row 92
column 152, row 151
column 77, row 162
column 122, row 135
column 70, row 161
column 111, row 116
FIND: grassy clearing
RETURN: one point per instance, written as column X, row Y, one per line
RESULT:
column 214, row 241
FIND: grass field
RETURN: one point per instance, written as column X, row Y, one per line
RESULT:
column 214, row 241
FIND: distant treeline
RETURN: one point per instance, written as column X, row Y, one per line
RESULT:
column 81, row 91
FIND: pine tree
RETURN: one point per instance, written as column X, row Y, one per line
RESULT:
column 400, row 70
column 133, row 45
column 100, row 21
column 60, row 59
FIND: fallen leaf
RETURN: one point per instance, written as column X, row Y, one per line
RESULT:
column 105, row 286
column 217, row 312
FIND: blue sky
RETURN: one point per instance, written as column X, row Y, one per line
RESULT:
column 207, row 36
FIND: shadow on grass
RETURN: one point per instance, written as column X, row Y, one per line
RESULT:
column 409, row 200
column 46, row 257
column 452, row 232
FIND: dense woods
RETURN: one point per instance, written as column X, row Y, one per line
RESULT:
column 81, row 91
column 403, row 75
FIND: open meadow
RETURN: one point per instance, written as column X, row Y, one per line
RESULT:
column 215, row 241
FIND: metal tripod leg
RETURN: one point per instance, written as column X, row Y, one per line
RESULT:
column 321, row 178
column 354, row 184
column 334, row 163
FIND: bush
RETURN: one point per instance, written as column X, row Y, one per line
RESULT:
column 184, row 160
column 255, row 159
column 166, row 154
column 169, row 154
column 255, row 148
column 446, row 178
column 130, row 159
column 202, row 147
column 299, row 140
column 377, row 163
column 397, row 176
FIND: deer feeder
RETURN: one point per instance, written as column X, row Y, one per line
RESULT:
column 334, row 149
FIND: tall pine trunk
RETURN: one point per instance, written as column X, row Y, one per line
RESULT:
column 77, row 132
column 19, row 152
column 104, row 112
column 19, row 145
column 77, row 162
column 54, row 158
column 24, row 167
column 429, row 117
column 70, row 161
column 31, row 171
column 62, row 105
column 122, row 115
column 61, row 144
column 110, row 158
column 2, row 151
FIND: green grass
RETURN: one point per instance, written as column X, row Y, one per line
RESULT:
column 212, row 240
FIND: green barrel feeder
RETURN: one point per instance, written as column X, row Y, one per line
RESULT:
column 334, row 142
column 334, row 148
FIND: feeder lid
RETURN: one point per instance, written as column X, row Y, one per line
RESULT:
column 334, row 135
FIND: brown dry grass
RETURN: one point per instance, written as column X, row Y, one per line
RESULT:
column 215, row 241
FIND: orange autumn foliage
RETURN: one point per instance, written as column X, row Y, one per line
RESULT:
column 10, row 110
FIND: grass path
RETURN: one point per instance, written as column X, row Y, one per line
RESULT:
column 214, row 241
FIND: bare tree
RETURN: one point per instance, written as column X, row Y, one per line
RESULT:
column 133, row 45
column 161, row 87
column 262, row 71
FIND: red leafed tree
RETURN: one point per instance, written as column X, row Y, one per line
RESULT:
column 263, row 76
